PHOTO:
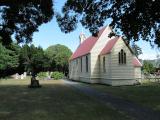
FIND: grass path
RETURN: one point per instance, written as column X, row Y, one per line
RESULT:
column 54, row 101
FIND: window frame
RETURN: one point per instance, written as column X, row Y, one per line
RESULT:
column 81, row 64
column 86, row 63
column 104, row 64
column 122, row 57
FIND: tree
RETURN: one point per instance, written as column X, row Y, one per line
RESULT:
column 9, row 59
column 136, row 49
column 3, row 56
column 59, row 56
column 22, row 18
column 137, row 19
column 148, row 67
column 32, row 58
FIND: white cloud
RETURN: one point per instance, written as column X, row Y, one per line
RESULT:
column 149, row 53
column 147, row 56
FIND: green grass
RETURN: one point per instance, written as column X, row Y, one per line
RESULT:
column 54, row 101
column 147, row 94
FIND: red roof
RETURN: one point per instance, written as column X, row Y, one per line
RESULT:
column 107, row 49
column 86, row 46
column 136, row 62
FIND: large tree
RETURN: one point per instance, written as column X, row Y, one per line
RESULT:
column 136, row 50
column 32, row 59
column 148, row 67
column 22, row 18
column 9, row 59
column 137, row 19
column 59, row 56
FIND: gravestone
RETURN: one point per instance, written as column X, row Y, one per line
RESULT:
column 34, row 83
column 25, row 74
column 22, row 76
column 17, row 76
column 48, row 75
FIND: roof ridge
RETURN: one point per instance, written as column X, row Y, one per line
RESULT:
column 86, row 46
column 109, row 45
column 101, row 29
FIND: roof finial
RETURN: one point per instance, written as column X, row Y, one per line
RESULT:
column 82, row 36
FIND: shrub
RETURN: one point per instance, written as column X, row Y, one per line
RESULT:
column 42, row 75
column 57, row 75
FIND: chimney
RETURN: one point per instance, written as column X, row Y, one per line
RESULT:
column 82, row 37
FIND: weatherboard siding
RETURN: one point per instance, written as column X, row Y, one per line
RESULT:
column 75, row 72
column 105, row 74
column 118, row 71
column 115, row 73
column 95, row 60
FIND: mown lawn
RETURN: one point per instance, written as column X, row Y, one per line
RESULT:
column 54, row 101
column 147, row 94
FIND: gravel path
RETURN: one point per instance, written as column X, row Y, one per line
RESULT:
column 135, row 111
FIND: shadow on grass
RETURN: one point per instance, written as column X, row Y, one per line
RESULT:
column 146, row 94
column 52, row 101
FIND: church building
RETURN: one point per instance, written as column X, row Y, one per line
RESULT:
column 104, row 60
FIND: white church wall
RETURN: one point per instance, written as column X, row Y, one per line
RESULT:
column 115, row 74
column 124, row 71
column 100, row 44
column 75, row 68
column 105, row 74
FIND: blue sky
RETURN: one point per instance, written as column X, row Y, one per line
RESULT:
column 50, row 34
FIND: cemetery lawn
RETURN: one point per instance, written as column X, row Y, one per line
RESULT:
column 147, row 94
column 54, row 101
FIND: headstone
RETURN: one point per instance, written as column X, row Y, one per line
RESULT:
column 17, row 76
column 34, row 83
column 22, row 76
column 25, row 74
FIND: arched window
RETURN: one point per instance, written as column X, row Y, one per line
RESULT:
column 86, row 63
column 81, row 64
column 122, row 57
column 104, row 65
column 77, row 61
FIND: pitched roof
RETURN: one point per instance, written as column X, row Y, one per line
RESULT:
column 110, row 44
column 86, row 46
column 108, row 47
column 136, row 62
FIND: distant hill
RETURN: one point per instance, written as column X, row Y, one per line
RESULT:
column 155, row 62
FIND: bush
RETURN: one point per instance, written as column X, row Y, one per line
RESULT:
column 42, row 75
column 57, row 75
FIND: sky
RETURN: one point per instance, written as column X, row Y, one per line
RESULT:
column 50, row 34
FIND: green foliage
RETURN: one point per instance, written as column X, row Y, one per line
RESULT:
column 32, row 58
column 3, row 56
column 148, row 67
column 59, row 56
column 22, row 18
column 137, row 50
column 137, row 19
column 42, row 75
column 57, row 75
column 9, row 57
